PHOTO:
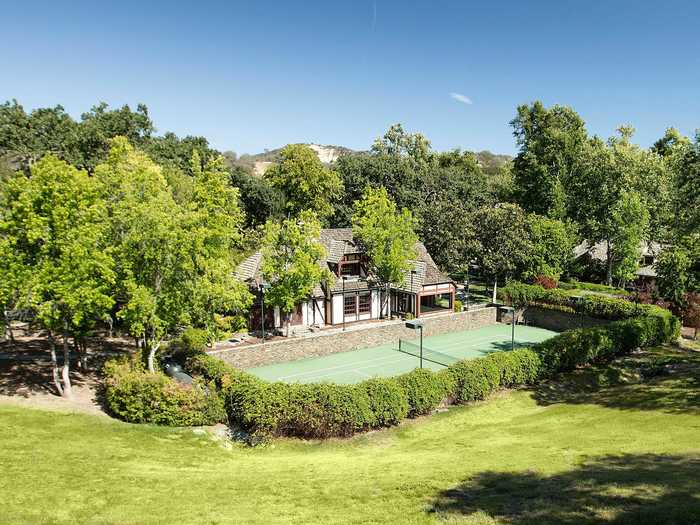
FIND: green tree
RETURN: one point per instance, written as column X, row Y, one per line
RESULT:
column 609, row 177
column 387, row 235
column 291, row 255
column 630, row 219
column 261, row 200
column 669, row 143
column 305, row 182
column 501, row 241
column 145, row 224
column 445, row 228
column 550, row 141
column 55, row 221
column 673, row 269
column 27, row 137
column 214, row 226
column 174, row 152
column 396, row 142
column 174, row 261
column 552, row 245
column 686, row 196
column 101, row 124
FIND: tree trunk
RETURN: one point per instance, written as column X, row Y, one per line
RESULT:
column 495, row 290
column 77, row 352
column 9, row 336
column 287, row 319
column 54, row 365
column 608, row 276
column 65, row 371
column 151, row 361
column 152, row 349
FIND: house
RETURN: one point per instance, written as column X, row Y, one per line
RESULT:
column 597, row 255
column 354, row 294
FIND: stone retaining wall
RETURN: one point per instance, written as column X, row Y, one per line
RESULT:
column 550, row 319
column 354, row 338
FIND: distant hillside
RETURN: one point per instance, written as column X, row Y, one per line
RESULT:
column 490, row 162
column 260, row 161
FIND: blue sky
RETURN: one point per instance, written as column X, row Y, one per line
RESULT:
column 262, row 74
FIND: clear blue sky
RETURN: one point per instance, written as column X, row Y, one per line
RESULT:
column 262, row 74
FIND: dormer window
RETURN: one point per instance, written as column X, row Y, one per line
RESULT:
column 352, row 268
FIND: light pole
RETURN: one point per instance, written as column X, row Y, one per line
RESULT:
column 263, row 286
column 413, row 300
column 417, row 324
column 467, row 285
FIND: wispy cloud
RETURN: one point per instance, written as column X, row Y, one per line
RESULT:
column 464, row 99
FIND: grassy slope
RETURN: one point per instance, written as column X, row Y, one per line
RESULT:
column 574, row 452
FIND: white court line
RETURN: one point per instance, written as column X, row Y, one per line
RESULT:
column 340, row 368
column 357, row 366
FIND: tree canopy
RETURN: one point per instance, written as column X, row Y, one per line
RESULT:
column 305, row 182
column 386, row 234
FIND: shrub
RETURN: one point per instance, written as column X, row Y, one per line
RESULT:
column 137, row 396
column 600, row 306
column 210, row 368
column 573, row 284
column 302, row 410
column 458, row 306
column 190, row 342
column 387, row 401
column 474, row 379
column 518, row 367
column 425, row 390
column 548, row 283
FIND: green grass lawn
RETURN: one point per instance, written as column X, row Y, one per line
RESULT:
column 601, row 446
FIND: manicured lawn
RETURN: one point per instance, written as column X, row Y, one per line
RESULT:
column 600, row 447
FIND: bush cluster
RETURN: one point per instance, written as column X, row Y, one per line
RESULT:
column 322, row 410
column 592, row 287
column 192, row 341
column 599, row 306
column 137, row 396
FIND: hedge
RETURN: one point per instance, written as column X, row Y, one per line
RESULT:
column 599, row 306
column 591, row 287
column 320, row 410
column 137, row 396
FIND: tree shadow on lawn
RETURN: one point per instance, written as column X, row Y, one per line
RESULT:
column 25, row 367
column 643, row 489
column 664, row 379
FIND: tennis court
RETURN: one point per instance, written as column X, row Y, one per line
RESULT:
column 386, row 360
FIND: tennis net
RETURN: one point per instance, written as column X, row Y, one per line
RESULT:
column 428, row 354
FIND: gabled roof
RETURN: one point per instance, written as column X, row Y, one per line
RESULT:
column 249, row 269
column 339, row 242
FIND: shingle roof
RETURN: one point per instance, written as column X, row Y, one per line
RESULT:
column 249, row 269
column 646, row 271
column 339, row 242
column 598, row 251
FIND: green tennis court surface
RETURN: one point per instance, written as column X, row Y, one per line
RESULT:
column 386, row 360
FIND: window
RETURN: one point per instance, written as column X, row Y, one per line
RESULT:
column 365, row 303
column 350, row 269
column 349, row 305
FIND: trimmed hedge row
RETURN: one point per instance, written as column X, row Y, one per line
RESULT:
column 591, row 287
column 322, row 410
column 600, row 306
